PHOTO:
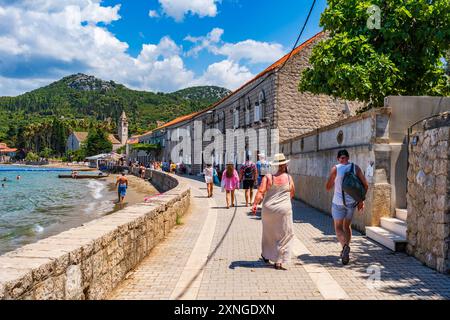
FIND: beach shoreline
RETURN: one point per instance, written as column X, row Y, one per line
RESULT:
column 108, row 204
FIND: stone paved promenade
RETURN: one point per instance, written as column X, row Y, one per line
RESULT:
column 214, row 254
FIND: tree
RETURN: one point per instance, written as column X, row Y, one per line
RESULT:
column 97, row 142
column 447, row 62
column 46, row 153
column 403, row 57
column 146, row 147
column 31, row 156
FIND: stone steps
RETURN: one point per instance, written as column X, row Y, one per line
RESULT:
column 387, row 238
column 401, row 214
column 394, row 225
column 392, row 231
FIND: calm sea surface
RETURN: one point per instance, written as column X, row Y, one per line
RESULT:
column 40, row 204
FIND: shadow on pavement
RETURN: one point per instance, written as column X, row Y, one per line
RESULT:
column 258, row 264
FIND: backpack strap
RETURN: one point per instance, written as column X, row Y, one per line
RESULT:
column 352, row 168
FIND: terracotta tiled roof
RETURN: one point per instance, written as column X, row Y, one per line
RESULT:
column 272, row 67
column 133, row 140
column 81, row 136
column 113, row 139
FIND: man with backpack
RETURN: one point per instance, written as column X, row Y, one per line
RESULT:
column 262, row 165
column 350, row 188
column 248, row 175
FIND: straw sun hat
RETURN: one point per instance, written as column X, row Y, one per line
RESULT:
column 279, row 159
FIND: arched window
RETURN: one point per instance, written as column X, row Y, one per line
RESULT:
column 236, row 116
column 247, row 111
column 259, row 106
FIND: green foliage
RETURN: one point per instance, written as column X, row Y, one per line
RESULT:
column 46, row 153
column 147, row 147
column 46, row 116
column 121, row 150
column 75, row 155
column 401, row 58
column 31, row 156
column 97, row 142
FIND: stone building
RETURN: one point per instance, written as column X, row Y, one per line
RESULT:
column 269, row 101
column 77, row 138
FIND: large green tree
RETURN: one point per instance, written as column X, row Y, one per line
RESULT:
column 97, row 142
column 359, row 61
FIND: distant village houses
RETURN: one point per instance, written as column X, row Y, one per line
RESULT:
column 6, row 153
column 77, row 138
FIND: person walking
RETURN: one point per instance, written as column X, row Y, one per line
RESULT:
column 230, row 182
column 248, row 175
column 262, row 166
column 276, row 192
column 142, row 171
column 122, row 185
column 343, row 206
column 209, row 176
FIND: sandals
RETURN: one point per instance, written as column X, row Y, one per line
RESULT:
column 264, row 259
column 278, row 266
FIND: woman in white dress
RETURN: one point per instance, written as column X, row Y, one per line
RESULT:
column 209, row 172
column 276, row 192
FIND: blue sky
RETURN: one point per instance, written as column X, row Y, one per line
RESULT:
column 155, row 45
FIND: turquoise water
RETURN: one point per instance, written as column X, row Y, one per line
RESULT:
column 40, row 204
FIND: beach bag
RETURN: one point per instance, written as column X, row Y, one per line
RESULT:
column 353, row 186
column 223, row 184
column 216, row 178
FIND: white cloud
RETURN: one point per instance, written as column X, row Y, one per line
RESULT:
column 254, row 51
column 225, row 73
column 177, row 9
column 206, row 42
column 43, row 40
column 153, row 14
column 249, row 50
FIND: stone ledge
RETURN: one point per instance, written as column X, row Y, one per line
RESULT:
column 89, row 261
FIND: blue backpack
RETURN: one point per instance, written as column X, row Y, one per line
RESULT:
column 353, row 186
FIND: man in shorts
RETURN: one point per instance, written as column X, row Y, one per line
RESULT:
column 248, row 175
column 122, row 183
column 343, row 214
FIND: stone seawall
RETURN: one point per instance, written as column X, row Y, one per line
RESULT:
column 89, row 261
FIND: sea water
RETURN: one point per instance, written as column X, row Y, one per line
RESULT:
column 40, row 204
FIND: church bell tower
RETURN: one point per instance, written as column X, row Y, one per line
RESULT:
column 123, row 128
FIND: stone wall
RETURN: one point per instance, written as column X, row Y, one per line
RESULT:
column 428, row 198
column 89, row 261
column 313, row 155
column 297, row 112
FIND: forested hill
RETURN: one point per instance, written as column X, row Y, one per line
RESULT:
column 42, row 119
column 82, row 96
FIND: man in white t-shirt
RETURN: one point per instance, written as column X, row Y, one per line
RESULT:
column 343, row 213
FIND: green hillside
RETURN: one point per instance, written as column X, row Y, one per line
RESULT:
column 79, row 102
